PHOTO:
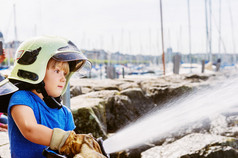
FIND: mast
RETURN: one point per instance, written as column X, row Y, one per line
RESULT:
column 233, row 37
column 157, row 45
column 130, row 48
column 162, row 36
column 219, row 42
column 207, row 34
column 210, row 37
column 122, row 40
column 150, row 45
column 15, row 33
column 189, row 35
column 15, row 25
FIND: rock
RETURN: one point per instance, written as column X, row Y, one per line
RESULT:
column 218, row 125
column 89, row 111
column 86, row 121
column 225, row 149
column 101, row 88
column 140, row 103
column 117, row 109
column 75, row 91
column 161, row 94
column 109, row 105
column 195, row 145
column 232, row 130
column 126, row 107
column 197, row 77
column 128, row 85
column 117, row 112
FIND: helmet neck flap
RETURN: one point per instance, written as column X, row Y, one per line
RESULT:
column 50, row 101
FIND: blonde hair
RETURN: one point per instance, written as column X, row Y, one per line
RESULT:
column 63, row 65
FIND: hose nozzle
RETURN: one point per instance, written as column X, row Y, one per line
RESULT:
column 100, row 142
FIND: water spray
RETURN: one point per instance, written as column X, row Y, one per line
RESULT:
column 181, row 113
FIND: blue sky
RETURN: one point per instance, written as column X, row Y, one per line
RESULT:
column 120, row 25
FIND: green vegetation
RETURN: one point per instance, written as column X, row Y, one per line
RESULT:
column 5, row 62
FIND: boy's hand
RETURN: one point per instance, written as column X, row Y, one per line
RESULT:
column 70, row 144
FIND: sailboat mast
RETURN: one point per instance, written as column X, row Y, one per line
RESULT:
column 233, row 37
column 189, row 35
column 210, row 37
column 162, row 36
column 219, row 42
column 207, row 34
column 15, row 25
column 15, row 33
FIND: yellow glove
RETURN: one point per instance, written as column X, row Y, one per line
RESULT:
column 70, row 144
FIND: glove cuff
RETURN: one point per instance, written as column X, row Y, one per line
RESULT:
column 58, row 138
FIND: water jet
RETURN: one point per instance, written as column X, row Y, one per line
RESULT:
column 178, row 114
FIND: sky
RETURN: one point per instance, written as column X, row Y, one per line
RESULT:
column 128, row 26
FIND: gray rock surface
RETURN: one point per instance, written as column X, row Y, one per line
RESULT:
column 195, row 145
column 118, row 102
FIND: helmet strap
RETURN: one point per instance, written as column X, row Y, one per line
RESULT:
column 50, row 101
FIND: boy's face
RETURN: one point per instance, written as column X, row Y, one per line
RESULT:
column 55, row 80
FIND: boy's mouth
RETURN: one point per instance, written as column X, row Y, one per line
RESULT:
column 61, row 86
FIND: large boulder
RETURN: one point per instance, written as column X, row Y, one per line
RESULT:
column 87, row 122
column 214, row 137
column 140, row 103
column 113, row 109
column 196, row 145
column 161, row 94
column 126, row 107
column 90, row 113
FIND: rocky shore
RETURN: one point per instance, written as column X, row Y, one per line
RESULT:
column 102, row 107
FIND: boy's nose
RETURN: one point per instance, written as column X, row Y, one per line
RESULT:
column 63, row 78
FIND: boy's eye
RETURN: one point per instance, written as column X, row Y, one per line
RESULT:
column 58, row 71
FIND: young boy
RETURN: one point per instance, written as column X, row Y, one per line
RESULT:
column 42, row 69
